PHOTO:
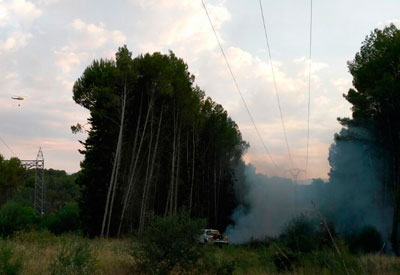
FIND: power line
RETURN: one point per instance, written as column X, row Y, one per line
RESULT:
column 8, row 147
column 309, row 90
column 275, row 86
column 237, row 86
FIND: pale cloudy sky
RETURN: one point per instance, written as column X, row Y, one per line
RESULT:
column 46, row 44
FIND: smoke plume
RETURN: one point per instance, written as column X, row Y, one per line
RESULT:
column 353, row 197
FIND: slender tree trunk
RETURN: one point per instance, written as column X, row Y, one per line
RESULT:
column 177, row 169
column 131, row 180
column 133, row 157
column 146, row 190
column 118, row 162
column 193, row 164
column 114, row 175
column 215, row 188
column 170, row 199
column 146, row 181
column 396, row 210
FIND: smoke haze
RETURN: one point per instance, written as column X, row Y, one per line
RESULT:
column 352, row 198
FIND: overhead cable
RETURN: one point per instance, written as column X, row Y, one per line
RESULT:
column 8, row 147
column 309, row 90
column 276, row 88
column 237, row 87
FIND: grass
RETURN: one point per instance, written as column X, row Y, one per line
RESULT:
column 37, row 252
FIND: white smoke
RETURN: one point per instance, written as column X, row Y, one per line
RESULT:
column 351, row 199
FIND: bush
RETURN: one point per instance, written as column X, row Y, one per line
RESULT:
column 366, row 240
column 65, row 220
column 211, row 265
column 168, row 242
column 15, row 217
column 74, row 258
column 10, row 264
column 300, row 235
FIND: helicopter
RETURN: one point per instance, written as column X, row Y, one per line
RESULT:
column 17, row 98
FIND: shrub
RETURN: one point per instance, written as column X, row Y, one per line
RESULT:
column 168, row 242
column 74, row 258
column 366, row 240
column 329, row 261
column 65, row 220
column 10, row 264
column 15, row 217
column 211, row 265
column 300, row 235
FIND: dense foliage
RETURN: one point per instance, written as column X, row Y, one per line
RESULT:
column 11, row 177
column 156, row 144
column 374, row 128
column 14, row 217
column 170, row 241
column 17, row 187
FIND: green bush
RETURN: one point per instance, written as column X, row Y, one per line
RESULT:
column 74, row 258
column 168, row 242
column 300, row 235
column 366, row 240
column 211, row 265
column 65, row 220
column 330, row 261
column 15, row 217
column 305, row 234
column 10, row 264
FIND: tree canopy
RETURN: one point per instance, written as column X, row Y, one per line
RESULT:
column 375, row 101
column 156, row 144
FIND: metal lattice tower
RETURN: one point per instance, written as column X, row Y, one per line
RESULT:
column 38, row 165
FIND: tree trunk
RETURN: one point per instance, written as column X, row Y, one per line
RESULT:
column 114, row 175
column 170, row 198
column 146, row 190
column 147, row 174
column 192, row 179
column 131, row 179
column 133, row 157
column 177, row 170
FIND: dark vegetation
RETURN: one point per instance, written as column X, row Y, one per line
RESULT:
column 17, row 212
column 159, row 165
column 375, row 126
column 170, row 241
column 156, row 145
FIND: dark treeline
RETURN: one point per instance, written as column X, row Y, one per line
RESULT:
column 375, row 103
column 18, row 184
column 17, row 191
column 156, row 145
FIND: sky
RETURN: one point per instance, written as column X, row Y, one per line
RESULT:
column 45, row 45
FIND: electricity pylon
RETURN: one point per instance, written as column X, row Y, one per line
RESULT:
column 295, row 173
column 38, row 165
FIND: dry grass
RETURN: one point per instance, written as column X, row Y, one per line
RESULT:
column 114, row 256
column 380, row 264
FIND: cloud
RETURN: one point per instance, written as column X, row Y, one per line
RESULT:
column 179, row 25
column 15, row 41
column 68, row 60
column 85, row 40
column 396, row 22
column 48, row 2
column 16, row 17
column 89, row 36
column 342, row 84
column 25, row 9
column 16, row 13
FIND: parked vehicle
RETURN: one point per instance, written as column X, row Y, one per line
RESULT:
column 213, row 236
